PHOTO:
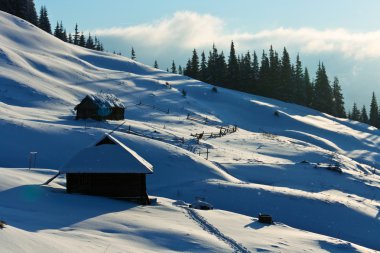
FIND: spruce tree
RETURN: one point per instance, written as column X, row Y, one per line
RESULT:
column 338, row 100
column 232, row 68
column 76, row 35
column 264, row 85
column 309, row 89
column 364, row 116
column 255, row 73
column 203, row 68
column 90, row 42
column 82, row 40
column 299, row 83
column 187, row 71
column 43, row 21
column 63, row 33
column 194, row 66
column 70, row 39
column 173, row 68
column 57, row 32
column 355, row 114
column 180, row 71
column 245, row 72
column 133, row 54
column 323, row 99
column 286, row 90
column 31, row 13
column 221, row 70
column 212, row 67
column 24, row 9
column 155, row 65
column 374, row 112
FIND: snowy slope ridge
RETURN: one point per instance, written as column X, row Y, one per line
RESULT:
column 272, row 164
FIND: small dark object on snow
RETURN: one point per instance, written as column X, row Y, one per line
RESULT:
column 276, row 113
column 168, row 85
column 214, row 89
column 184, row 93
column 202, row 205
column 335, row 168
column 304, row 161
column 265, row 218
column 2, row 224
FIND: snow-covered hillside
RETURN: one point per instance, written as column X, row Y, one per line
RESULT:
column 274, row 163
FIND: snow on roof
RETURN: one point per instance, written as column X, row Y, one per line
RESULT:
column 106, row 99
column 107, row 156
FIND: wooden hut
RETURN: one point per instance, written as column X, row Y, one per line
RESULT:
column 108, row 168
column 100, row 106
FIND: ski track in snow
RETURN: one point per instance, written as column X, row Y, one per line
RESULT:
column 205, row 225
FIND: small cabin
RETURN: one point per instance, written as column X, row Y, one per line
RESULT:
column 101, row 106
column 108, row 168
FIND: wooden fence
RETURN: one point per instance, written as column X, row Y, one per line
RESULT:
column 223, row 130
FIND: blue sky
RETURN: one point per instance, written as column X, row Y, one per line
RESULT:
column 240, row 14
column 344, row 34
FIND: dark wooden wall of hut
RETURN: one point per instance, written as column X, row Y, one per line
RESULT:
column 118, row 185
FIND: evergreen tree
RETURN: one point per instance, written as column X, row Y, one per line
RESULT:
column 245, row 72
column 43, row 21
column 180, row 71
column 70, row 39
column 232, row 68
column 338, row 100
column 31, row 13
column 255, row 73
column 7, row 6
column 60, row 32
column 221, row 70
column 309, row 89
column 212, row 67
column 155, row 65
column 133, row 54
column 299, row 83
column 76, row 35
column 193, row 71
column 374, row 112
column 349, row 114
column 174, row 68
column 264, row 85
column 187, row 70
column 57, row 32
column 24, row 9
column 323, row 99
column 90, row 42
column 63, row 33
column 355, row 114
column 286, row 91
column 203, row 68
column 364, row 116
column 82, row 40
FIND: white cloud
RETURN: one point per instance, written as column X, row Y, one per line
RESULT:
column 309, row 40
column 184, row 29
column 188, row 30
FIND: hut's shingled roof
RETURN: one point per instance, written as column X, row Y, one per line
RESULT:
column 106, row 100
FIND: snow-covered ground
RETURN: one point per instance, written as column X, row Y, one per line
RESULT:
column 272, row 164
